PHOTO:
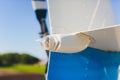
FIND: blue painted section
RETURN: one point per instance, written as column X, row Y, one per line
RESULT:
column 90, row 64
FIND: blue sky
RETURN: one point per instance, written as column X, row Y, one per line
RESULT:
column 19, row 27
column 116, row 8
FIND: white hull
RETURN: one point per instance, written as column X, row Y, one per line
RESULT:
column 106, row 39
column 70, row 16
column 96, row 17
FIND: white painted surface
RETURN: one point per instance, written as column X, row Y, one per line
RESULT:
column 39, row 5
column 69, row 16
column 96, row 16
column 67, row 43
column 106, row 39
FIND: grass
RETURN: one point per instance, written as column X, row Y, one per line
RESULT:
column 25, row 68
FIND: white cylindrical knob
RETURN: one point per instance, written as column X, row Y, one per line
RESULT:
column 67, row 43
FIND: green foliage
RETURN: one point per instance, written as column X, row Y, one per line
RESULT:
column 9, row 59
column 6, row 60
column 27, row 59
column 25, row 68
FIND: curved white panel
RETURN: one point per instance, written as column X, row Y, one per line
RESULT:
column 70, row 16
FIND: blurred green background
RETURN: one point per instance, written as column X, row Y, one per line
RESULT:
column 21, row 62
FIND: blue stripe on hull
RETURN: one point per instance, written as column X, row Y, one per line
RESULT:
column 90, row 64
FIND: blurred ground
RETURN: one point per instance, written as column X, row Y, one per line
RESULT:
column 20, row 76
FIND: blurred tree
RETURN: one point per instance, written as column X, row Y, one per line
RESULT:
column 28, row 59
column 6, row 59
column 0, row 61
column 9, row 59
